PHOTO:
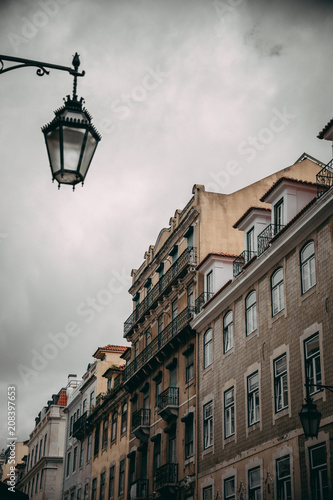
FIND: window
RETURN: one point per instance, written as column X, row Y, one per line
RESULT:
column 36, row 453
column 283, row 480
column 160, row 323
column 228, row 341
column 278, row 216
column 114, row 426
column 157, row 455
column 254, row 484
column 251, row 312
column 74, row 458
column 312, row 362
column 277, row 291
column 308, row 267
column 229, row 413
column 131, row 474
column 189, row 437
column 96, row 443
column 249, row 244
column 84, row 406
column 78, row 495
column 122, row 478
column 37, row 481
column 105, row 433
column 89, row 447
column 32, row 457
column 208, row 424
column 189, row 365
column 93, row 488
column 111, row 483
column 102, row 487
column 136, row 349
column 280, row 383
column 209, row 284
column 40, row 448
column 41, row 479
column 318, row 473
column 158, row 388
column 148, row 337
column 32, row 486
column 253, row 398
column 68, row 463
column 81, row 454
column 86, row 491
column 190, row 298
column 207, row 493
column 92, row 399
column 124, row 418
column 229, row 489
column 208, row 348
column 44, row 450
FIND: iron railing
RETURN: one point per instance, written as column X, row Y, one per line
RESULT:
column 141, row 418
column 139, row 489
column 166, row 475
column 201, row 300
column 324, row 179
column 173, row 328
column 187, row 257
column 79, row 427
column 241, row 260
column 169, row 397
column 266, row 235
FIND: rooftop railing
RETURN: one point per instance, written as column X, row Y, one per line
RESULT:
column 201, row 300
column 169, row 397
column 241, row 260
column 141, row 418
column 266, row 235
column 324, row 179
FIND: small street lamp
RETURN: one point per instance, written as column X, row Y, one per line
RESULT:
column 71, row 139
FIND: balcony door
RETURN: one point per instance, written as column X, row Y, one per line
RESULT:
column 172, row 449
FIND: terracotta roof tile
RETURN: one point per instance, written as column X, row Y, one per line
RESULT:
column 290, row 179
column 247, row 213
column 325, row 129
column 62, row 400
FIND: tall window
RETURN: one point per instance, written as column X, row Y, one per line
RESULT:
column 96, row 443
column 209, row 284
column 208, row 425
column 32, row 486
column 92, row 398
column 160, row 324
column 86, row 491
column 94, row 489
column 189, row 437
column 190, row 298
column 308, row 267
column 37, row 481
column 124, row 418
column 249, row 243
column 277, row 291
column 121, row 489
column 45, row 440
column 278, row 216
column 280, row 383
column 78, row 495
column 318, row 472
column 207, row 493
column 253, row 398
column 131, row 475
column 89, row 447
column 102, row 487
column 36, row 453
column 208, row 348
column 74, row 458
column 114, row 426
column 229, row 491
column 229, row 413
column 283, row 479
column 111, row 483
column 148, row 337
column 84, row 406
column 157, row 456
column 68, row 463
column 228, row 341
column 105, row 433
column 40, row 448
column 41, row 479
column 312, row 362
column 158, row 388
column 189, row 364
column 81, row 454
column 254, row 484
column 251, row 312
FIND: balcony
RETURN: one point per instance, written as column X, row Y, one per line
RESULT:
column 168, row 403
column 139, row 489
column 241, row 260
column 325, row 179
column 266, row 235
column 201, row 300
column 166, row 476
column 177, row 270
column 81, row 427
column 141, row 424
column 148, row 355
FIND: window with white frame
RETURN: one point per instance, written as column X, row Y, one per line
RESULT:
column 189, row 365
column 208, row 348
column 105, row 433
column 75, row 458
column 124, row 418
column 208, row 425
column 111, row 483
column 114, row 426
column 209, row 284
column 249, row 244
column 228, row 341
column 229, row 491
column 283, row 478
column 81, row 454
column 308, row 266
column 318, row 472
column 251, row 312
column 229, row 413
column 121, row 488
column 189, row 437
column 280, row 383
column 278, row 216
column 312, row 362
column 254, row 484
column 207, row 493
column 277, row 291
column 253, row 398
column 89, row 443
column 68, row 463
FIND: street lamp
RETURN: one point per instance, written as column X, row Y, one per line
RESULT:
column 71, row 139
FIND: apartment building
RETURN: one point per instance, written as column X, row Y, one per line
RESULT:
column 163, row 373
column 265, row 346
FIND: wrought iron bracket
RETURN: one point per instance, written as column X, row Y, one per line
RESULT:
column 41, row 66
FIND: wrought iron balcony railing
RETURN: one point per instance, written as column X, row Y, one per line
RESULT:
column 166, row 475
column 169, row 397
column 139, row 489
column 241, row 260
column 80, row 426
column 324, row 179
column 141, row 418
column 266, row 235
column 173, row 329
column 201, row 300
column 187, row 257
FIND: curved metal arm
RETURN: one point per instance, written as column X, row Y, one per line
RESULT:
column 40, row 65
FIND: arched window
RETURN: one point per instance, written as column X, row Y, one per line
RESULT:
column 251, row 312
column 277, row 291
column 228, row 340
column 208, row 348
column 114, row 426
column 308, row 267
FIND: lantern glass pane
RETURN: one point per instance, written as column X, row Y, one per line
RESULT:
column 53, row 146
column 88, row 154
column 72, row 139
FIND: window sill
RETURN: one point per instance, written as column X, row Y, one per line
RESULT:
column 280, row 414
column 189, row 461
column 207, row 451
column 208, row 369
column 253, row 427
column 228, row 440
column 230, row 352
column 252, row 335
column 307, row 294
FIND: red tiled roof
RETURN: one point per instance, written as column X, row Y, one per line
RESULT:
column 247, row 213
column 325, row 129
column 217, row 254
column 112, row 348
column 62, row 400
column 290, row 179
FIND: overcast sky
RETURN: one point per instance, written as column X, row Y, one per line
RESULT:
column 180, row 90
